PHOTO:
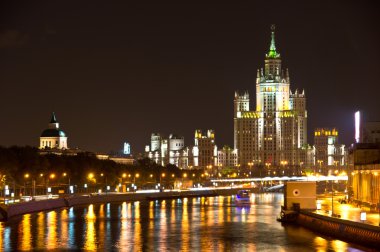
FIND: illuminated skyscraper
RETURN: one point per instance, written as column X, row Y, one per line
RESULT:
column 275, row 133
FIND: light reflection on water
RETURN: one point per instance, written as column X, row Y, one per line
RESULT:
column 189, row 224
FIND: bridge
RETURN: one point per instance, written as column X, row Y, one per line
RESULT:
column 283, row 179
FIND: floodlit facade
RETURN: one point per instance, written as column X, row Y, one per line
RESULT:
column 127, row 149
column 53, row 137
column 364, row 163
column 329, row 154
column 165, row 151
column 364, row 177
column 203, row 155
column 227, row 157
column 274, row 134
column 205, row 150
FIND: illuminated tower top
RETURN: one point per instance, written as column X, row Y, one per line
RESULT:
column 272, row 49
column 53, row 122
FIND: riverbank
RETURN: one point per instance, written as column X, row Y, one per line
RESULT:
column 346, row 230
column 8, row 211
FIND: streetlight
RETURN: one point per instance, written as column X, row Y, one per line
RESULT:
column 162, row 176
column 300, row 172
column 268, row 167
column 90, row 176
column 320, row 164
column 250, row 167
column 26, row 176
column 283, row 163
column 135, row 177
column 51, row 176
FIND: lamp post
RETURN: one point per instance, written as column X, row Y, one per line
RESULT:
column 51, row 177
column 219, row 168
column 283, row 163
column 268, row 167
column 250, row 168
column 26, row 176
column 184, row 176
column 137, row 175
column 320, row 165
column 300, row 172
column 162, row 176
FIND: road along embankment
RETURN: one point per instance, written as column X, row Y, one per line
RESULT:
column 356, row 232
column 8, row 211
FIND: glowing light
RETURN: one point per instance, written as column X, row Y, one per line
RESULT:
column 357, row 126
column 363, row 216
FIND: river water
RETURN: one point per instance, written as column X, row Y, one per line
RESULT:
column 189, row 224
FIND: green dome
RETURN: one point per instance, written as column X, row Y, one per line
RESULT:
column 53, row 133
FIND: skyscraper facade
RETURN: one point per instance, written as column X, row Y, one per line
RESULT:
column 329, row 154
column 275, row 133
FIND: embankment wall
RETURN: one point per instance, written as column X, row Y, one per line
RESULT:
column 346, row 230
column 9, row 211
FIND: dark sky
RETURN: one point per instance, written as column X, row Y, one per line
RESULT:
column 118, row 72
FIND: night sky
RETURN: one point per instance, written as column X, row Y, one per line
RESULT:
column 118, row 72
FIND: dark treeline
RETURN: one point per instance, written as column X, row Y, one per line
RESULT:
column 16, row 162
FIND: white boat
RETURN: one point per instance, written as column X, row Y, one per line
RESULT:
column 243, row 197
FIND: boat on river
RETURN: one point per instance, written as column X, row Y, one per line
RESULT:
column 243, row 197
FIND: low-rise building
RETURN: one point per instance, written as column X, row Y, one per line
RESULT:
column 53, row 137
column 365, row 173
column 227, row 157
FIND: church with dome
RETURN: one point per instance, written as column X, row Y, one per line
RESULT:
column 53, row 137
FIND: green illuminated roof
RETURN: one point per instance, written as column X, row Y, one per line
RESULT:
column 272, row 49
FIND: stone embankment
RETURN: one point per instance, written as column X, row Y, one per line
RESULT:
column 8, row 211
column 345, row 230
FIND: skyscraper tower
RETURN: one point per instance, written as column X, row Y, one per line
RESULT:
column 272, row 135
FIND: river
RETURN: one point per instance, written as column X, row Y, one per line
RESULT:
column 189, row 224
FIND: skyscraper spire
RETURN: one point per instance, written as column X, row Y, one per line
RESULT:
column 272, row 49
